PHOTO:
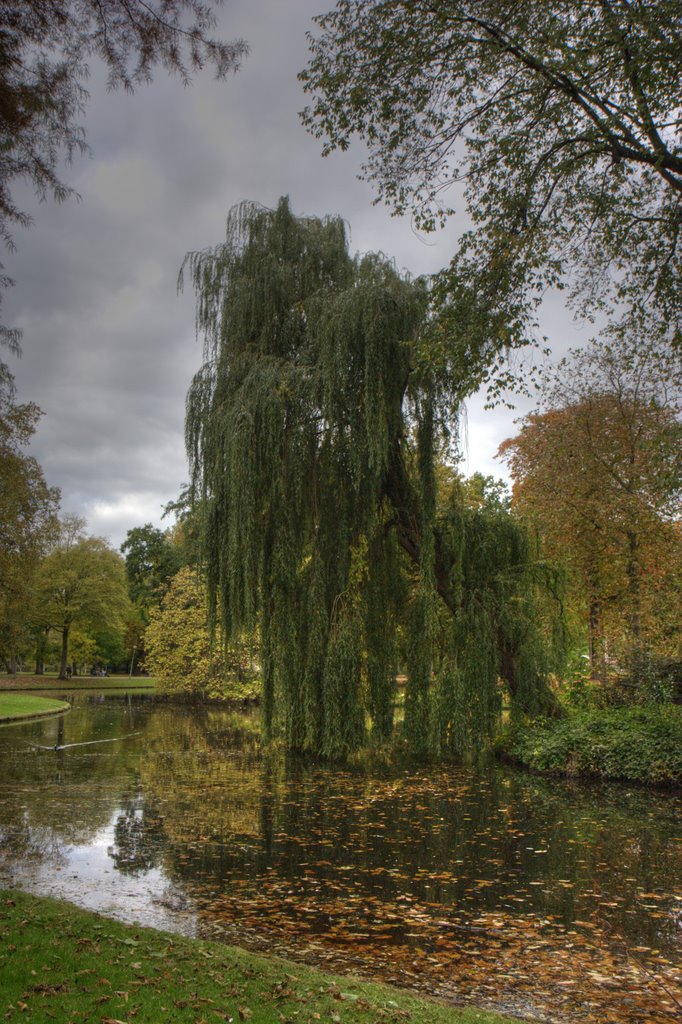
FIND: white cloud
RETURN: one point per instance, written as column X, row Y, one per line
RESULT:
column 113, row 519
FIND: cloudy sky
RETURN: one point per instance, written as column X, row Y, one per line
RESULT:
column 109, row 347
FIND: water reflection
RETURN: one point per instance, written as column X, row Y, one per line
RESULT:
column 186, row 825
column 138, row 844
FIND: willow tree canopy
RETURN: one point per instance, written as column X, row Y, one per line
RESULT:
column 311, row 431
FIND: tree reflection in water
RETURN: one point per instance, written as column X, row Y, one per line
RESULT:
column 139, row 838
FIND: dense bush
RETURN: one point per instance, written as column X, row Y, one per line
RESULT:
column 641, row 744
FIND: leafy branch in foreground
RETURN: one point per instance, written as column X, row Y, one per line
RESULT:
column 562, row 121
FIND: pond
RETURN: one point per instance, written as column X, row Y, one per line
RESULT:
column 549, row 899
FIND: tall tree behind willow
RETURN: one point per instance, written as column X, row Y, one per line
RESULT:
column 311, row 431
column 599, row 468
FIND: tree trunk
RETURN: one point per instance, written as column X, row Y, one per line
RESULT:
column 634, row 591
column 41, row 644
column 596, row 637
column 399, row 490
column 65, row 653
column 548, row 702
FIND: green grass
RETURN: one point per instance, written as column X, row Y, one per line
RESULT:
column 18, row 705
column 58, row 963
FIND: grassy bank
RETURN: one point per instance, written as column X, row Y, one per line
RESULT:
column 20, row 705
column 49, row 681
column 58, row 963
column 639, row 744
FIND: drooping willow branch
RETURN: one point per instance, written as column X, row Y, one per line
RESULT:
column 312, row 499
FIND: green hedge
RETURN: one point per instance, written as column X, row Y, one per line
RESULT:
column 641, row 744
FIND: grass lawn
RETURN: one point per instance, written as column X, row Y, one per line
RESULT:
column 19, row 705
column 49, row 681
column 58, row 963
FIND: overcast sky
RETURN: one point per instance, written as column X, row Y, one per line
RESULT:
column 109, row 347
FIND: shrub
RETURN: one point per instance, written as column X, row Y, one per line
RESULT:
column 640, row 744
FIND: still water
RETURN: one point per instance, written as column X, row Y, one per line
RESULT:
column 547, row 898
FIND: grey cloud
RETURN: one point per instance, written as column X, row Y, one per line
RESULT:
column 109, row 347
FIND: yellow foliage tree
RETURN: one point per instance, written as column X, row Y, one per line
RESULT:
column 600, row 470
column 181, row 653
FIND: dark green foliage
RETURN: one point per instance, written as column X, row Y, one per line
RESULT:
column 640, row 744
column 497, row 629
column 320, row 511
column 151, row 561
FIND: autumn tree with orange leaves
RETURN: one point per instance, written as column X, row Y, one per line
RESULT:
column 599, row 468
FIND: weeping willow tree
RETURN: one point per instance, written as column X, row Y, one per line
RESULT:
column 311, row 432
